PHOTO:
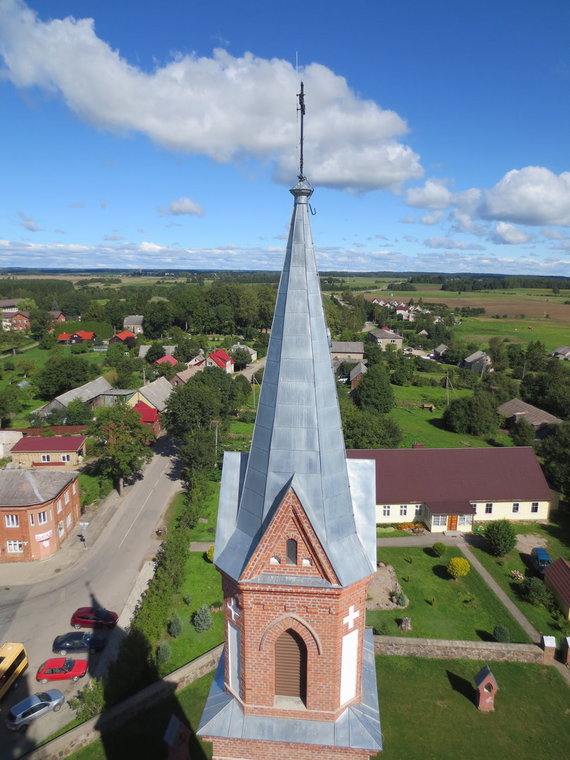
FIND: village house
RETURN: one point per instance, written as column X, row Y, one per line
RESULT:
column 167, row 359
column 449, row 489
column 8, row 438
column 144, row 349
column 62, row 452
column 242, row 347
column 57, row 317
column 557, row 578
column 81, row 336
column 562, row 352
column 149, row 416
column 478, row 362
column 219, row 358
column 515, row 410
column 88, row 392
column 126, row 337
column 356, row 375
column 133, row 323
column 347, row 350
column 38, row 510
column 182, row 377
column 17, row 321
column 9, row 304
column 385, row 337
column 153, row 394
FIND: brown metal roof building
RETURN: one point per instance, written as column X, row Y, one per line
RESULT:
column 449, row 488
column 557, row 578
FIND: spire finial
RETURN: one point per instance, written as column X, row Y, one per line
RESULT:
column 301, row 109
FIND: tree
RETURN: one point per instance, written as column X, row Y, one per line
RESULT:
column 458, row 567
column 191, row 406
column 363, row 430
column 243, row 389
column 535, row 592
column 157, row 318
column 155, row 352
column 78, row 412
column 62, row 374
column 498, row 354
column 10, row 403
column 198, row 453
column 475, row 415
column 555, row 449
column 241, row 358
column 40, row 323
column 522, row 433
column 375, row 392
column 120, row 442
column 501, row 537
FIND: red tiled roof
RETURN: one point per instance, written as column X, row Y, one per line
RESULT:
column 124, row 334
column 37, row 443
column 85, row 334
column 146, row 412
column 168, row 359
column 409, row 476
column 557, row 576
column 64, row 336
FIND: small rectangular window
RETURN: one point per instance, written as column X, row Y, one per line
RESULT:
column 488, row 509
column 15, row 547
column 418, row 509
column 58, row 506
column 60, row 528
column 66, row 497
column 385, row 511
column 68, row 521
column 12, row 521
column 516, row 506
column 45, row 458
column 403, row 510
column 534, row 506
column 65, row 458
column 42, row 518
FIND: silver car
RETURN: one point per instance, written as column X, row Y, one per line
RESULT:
column 32, row 707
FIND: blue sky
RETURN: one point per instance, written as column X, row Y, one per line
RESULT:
column 165, row 134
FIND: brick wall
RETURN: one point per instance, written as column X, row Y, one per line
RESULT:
column 228, row 749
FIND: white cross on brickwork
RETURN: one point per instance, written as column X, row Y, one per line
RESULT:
column 233, row 608
column 351, row 617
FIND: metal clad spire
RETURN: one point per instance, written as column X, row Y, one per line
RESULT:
column 301, row 110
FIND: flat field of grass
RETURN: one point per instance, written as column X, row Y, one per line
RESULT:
column 427, row 712
column 552, row 332
column 440, row 607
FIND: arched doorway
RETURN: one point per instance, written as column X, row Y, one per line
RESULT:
column 291, row 666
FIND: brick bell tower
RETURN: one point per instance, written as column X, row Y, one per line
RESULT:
column 296, row 548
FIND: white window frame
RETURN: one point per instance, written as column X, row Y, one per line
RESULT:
column 58, row 506
column 45, row 457
column 15, row 547
column 68, row 521
column 66, row 457
column 386, row 510
column 60, row 529
column 419, row 509
column 465, row 519
column 42, row 518
column 12, row 521
column 403, row 510
column 439, row 520
column 66, row 497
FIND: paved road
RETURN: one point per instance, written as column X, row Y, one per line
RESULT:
column 38, row 598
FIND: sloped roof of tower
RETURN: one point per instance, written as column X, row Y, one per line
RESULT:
column 298, row 433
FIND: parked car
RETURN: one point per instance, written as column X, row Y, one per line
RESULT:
column 540, row 559
column 94, row 617
column 78, row 641
column 32, row 707
column 61, row 669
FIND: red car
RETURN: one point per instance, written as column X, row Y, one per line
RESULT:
column 94, row 617
column 61, row 669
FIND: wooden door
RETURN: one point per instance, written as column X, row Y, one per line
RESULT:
column 291, row 665
column 452, row 522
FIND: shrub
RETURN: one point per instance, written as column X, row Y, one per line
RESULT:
column 187, row 599
column 163, row 652
column 202, row 619
column 381, row 630
column 501, row 537
column 439, row 549
column 458, row 567
column 89, row 701
column 501, row 634
column 175, row 626
column 535, row 592
column 209, row 555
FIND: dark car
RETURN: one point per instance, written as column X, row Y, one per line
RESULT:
column 25, row 712
column 78, row 641
column 60, row 669
column 93, row 617
column 540, row 559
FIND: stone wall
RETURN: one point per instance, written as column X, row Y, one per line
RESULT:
column 90, row 731
column 457, row 650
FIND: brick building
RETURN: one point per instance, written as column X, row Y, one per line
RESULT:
column 38, row 510
column 295, row 544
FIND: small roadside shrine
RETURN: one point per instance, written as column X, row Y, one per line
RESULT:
column 487, row 687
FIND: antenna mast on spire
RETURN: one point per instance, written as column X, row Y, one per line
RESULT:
column 301, row 108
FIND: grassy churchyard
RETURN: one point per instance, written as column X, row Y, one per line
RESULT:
column 440, row 607
column 427, row 712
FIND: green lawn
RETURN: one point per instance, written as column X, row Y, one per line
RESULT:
column 557, row 536
column 463, row 609
column 552, row 332
column 206, row 531
column 427, row 713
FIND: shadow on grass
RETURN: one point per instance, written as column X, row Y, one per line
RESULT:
column 441, row 572
column 485, row 635
column 462, row 686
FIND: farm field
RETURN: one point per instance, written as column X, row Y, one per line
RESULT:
column 440, row 607
column 528, row 723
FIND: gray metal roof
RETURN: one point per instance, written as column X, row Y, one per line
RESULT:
column 22, row 488
column 297, row 440
column 357, row 728
column 157, row 392
column 347, row 347
column 85, row 392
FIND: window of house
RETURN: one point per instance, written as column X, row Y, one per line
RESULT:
column 66, row 497
column 516, row 506
column 465, row 519
column 45, row 458
column 42, row 518
column 534, row 506
column 74, row 487
column 403, row 510
column 15, row 547
column 418, row 509
column 60, row 528
column 58, row 506
column 65, row 457
column 68, row 521
column 385, row 511
column 32, row 519
column 291, row 551
column 439, row 520
column 488, row 509
column 12, row 521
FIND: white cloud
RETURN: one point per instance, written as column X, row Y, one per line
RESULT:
column 224, row 107
column 533, row 195
column 452, row 245
column 433, row 194
column 28, row 223
column 433, row 218
column 554, row 234
column 505, row 233
column 183, row 206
